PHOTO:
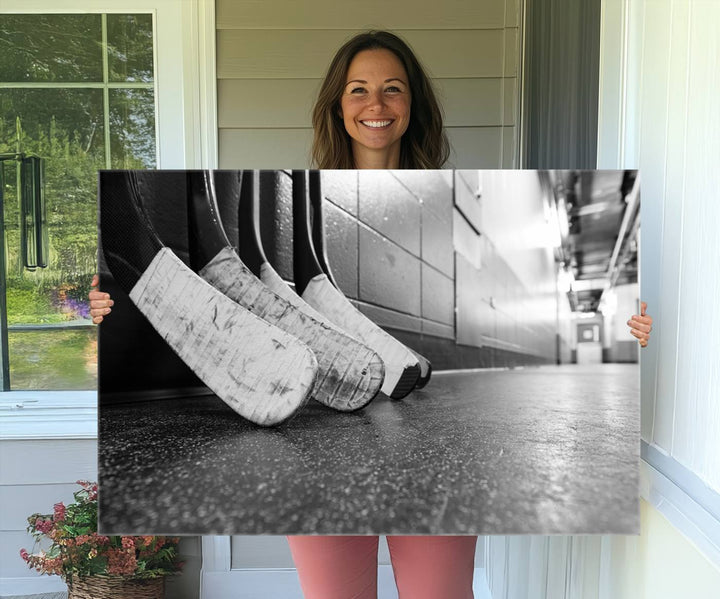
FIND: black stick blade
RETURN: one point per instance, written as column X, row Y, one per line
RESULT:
column 318, row 224
column 128, row 239
column 305, row 261
column 207, row 236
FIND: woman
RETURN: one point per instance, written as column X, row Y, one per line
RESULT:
column 377, row 109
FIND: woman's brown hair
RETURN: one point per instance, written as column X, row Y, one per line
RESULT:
column 424, row 144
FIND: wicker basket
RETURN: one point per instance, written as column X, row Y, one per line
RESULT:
column 116, row 587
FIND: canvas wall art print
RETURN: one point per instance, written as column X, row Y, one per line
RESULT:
column 369, row 352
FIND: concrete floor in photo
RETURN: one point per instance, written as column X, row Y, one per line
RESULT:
column 549, row 450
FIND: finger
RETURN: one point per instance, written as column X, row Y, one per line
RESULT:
column 639, row 334
column 97, row 319
column 643, row 307
column 643, row 343
column 101, row 303
column 98, row 295
column 95, row 281
column 642, row 319
column 633, row 324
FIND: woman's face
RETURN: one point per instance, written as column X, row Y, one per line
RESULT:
column 375, row 104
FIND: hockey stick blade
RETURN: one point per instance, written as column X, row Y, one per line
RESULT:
column 261, row 372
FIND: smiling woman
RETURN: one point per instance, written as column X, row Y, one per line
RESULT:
column 375, row 106
column 364, row 106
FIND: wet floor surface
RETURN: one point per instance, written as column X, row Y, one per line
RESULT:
column 552, row 450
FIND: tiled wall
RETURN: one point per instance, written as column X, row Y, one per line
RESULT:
column 439, row 267
column 388, row 241
column 508, row 307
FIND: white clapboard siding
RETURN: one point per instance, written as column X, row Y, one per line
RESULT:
column 34, row 475
column 264, row 148
column 307, row 53
column 273, row 103
column 324, row 14
column 20, row 500
column 271, row 58
column 471, row 147
column 47, row 462
column 475, row 147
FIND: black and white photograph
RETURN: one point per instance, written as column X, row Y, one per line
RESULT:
column 369, row 352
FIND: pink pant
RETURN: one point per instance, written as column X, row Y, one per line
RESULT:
column 344, row 567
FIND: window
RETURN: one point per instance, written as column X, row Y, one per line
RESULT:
column 78, row 91
column 183, row 36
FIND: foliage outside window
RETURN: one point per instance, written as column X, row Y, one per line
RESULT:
column 78, row 91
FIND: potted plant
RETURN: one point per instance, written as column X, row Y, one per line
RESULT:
column 96, row 566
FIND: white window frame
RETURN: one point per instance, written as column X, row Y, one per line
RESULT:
column 186, row 132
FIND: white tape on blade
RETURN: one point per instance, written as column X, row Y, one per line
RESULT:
column 264, row 374
column 350, row 373
column 322, row 295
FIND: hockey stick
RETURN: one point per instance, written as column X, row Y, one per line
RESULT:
column 401, row 367
column 318, row 239
column 350, row 374
column 262, row 373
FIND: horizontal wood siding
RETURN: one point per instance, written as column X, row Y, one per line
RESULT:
column 35, row 475
column 326, row 14
column 271, row 59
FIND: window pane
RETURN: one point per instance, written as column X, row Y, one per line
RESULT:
column 50, row 48
column 132, row 128
column 51, row 344
column 130, row 47
column 53, row 121
column 53, row 359
column 65, row 128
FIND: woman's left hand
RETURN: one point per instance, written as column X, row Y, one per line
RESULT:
column 641, row 325
column 100, row 303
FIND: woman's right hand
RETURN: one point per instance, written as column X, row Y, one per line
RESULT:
column 100, row 303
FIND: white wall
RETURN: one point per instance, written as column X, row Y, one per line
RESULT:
column 660, row 84
column 659, row 564
column 668, row 124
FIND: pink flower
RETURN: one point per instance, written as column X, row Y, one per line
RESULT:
column 128, row 543
column 59, row 512
column 44, row 526
column 24, row 554
column 121, row 562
